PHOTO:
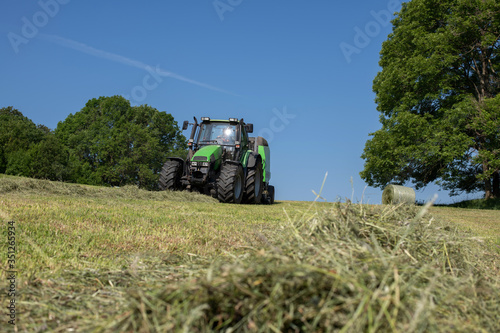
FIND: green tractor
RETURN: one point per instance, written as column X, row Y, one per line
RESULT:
column 222, row 161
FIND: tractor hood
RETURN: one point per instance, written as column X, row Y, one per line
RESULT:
column 209, row 154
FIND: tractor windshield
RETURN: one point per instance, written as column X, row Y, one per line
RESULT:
column 217, row 133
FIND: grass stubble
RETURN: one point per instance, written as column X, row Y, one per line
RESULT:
column 125, row 260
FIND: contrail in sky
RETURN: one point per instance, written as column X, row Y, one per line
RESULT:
column 123, row 60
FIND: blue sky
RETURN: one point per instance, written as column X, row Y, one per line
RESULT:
column 300, row 71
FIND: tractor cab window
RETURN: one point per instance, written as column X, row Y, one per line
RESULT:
column 217, row 133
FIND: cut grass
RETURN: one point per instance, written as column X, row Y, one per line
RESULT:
column 482, row 224
column 37, row 187
column 70, row 230
column 107, row 259
column 349, row 269
column 485, row 223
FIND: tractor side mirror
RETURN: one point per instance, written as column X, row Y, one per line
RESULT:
column 185, row 125
column 249, row 128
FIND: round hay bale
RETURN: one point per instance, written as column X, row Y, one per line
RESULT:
column 396, row 194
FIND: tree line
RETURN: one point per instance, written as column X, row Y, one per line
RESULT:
column 108, row 142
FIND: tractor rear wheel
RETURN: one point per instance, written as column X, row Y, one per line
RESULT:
column 170, row 176
column 253, row 185
column 230, row 185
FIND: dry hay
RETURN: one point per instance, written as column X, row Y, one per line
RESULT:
column 11, row 185
column 396, row 194
column 350, row 269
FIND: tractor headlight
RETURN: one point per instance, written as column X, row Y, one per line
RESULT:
column 206, row 164
column 194, row 164
column 233, row 120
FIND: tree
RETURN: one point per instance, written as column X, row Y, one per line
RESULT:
column 18, row 134
column 437, row 94
column 49, row 158
column 113, row 143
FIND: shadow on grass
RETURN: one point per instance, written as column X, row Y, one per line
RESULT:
column 493, row 204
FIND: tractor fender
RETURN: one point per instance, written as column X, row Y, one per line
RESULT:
column 252, row 160
column 176, row 159
column 182, row 161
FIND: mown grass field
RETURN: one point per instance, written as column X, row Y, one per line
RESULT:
column 108, row 259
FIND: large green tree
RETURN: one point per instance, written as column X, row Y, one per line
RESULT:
column 437, row 94
column 18, row 135
column 30, row 150
column 49, row 159
column 113, row 143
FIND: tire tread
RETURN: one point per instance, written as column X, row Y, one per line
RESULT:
column 169, row 176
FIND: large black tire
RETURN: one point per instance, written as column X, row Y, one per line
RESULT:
column 230, row 185
column 170, row 176
column 253, row 185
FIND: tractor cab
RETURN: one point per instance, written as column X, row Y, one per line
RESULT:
column 223, row 134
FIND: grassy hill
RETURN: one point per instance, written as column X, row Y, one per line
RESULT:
column 122, row 259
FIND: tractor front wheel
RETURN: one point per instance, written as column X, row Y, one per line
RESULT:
column 170, row 176
column 230, row 185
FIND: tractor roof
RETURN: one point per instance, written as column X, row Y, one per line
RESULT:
column 230, row 120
